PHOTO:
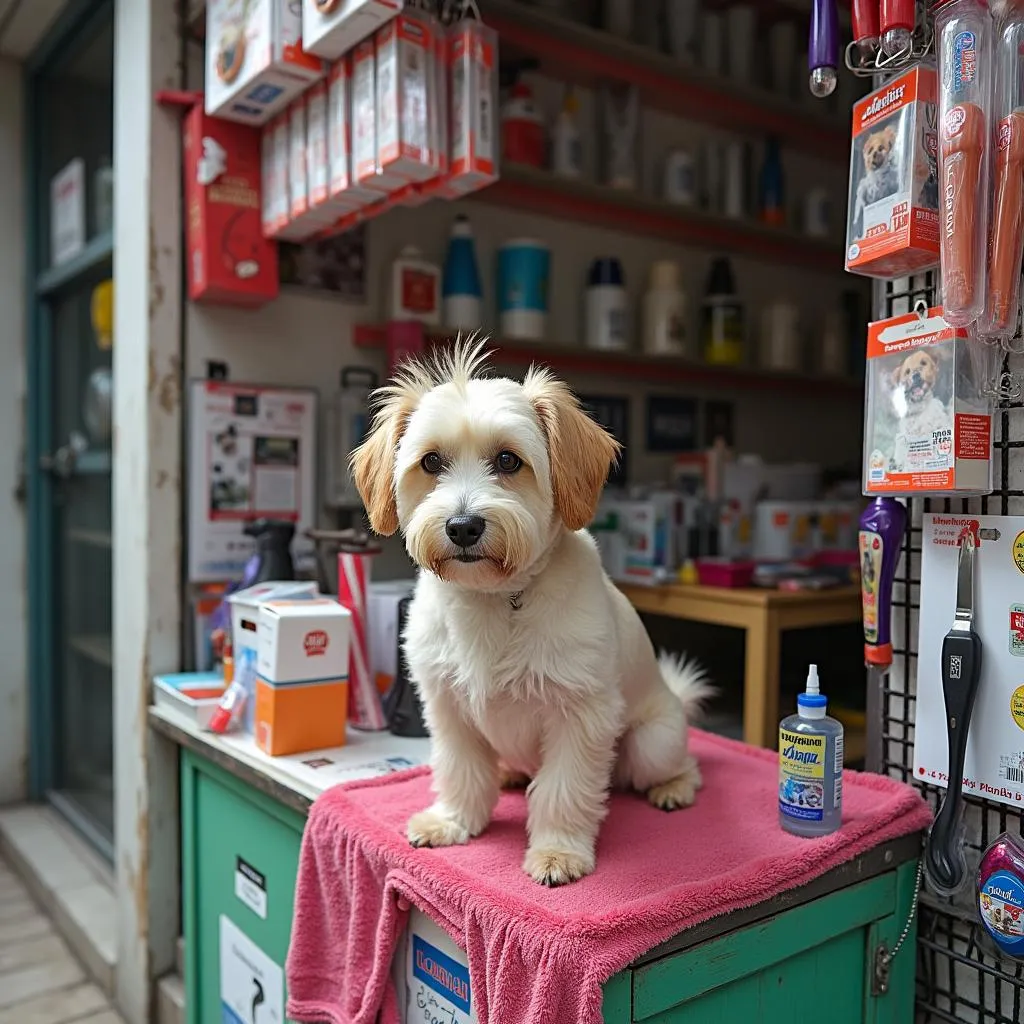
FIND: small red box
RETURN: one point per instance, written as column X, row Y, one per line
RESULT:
column 229, row 260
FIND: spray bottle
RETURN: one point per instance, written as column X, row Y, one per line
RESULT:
column 810, row 766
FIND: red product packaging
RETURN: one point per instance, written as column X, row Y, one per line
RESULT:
column 893, row 223
column 229, row 260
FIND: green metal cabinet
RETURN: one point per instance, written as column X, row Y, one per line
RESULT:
column 802, row 957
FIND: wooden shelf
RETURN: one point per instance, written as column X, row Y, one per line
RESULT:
column 582, row 55
column 541, row 192
column 638, row 366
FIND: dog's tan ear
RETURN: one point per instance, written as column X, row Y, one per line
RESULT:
column 581, row 451
column 889, row 134
column 373, row 469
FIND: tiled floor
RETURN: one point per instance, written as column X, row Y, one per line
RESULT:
column 40, row 981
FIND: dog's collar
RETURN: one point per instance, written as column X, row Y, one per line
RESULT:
column 515, row 601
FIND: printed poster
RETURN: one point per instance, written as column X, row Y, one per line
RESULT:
column 251, row 984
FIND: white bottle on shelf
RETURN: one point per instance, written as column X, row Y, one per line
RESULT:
column 566, row 140
column 664, row 312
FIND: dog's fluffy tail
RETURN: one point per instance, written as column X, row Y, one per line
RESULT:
column 687, row 678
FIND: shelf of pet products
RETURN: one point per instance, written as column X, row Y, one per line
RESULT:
column 637, row 366
column 542, row 192
column 584, row 56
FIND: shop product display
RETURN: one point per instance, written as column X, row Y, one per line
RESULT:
column 880, row 540
column 229, row 260
column 354, row 568
column 893, row 221
column 722, row 327
column 810, row 765
column 1000, row 894
column 607, row 317
column 331, row 28
column 522, row 128
column 302, row 675
column 620, row 128
column 566, row 139
column 964, row 56
column 255, row 63
column 780, row 345
column 664, row 312
column 415, row 288
column 681, row 178
column 1007, row 235
column 928, row 421
column 823, row 48
column 462, row 299
column 961, row 662
column 524, row 266
column 896, row 26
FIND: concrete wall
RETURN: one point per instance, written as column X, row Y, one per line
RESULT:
column 13, row 608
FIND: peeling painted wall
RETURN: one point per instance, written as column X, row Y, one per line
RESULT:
column 13, row 603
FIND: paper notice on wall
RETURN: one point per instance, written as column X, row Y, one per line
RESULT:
column 251, row 984
column 434, row 986
column 252, row 454
column 67, row 212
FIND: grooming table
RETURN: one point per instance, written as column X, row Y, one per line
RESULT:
column 243, row 817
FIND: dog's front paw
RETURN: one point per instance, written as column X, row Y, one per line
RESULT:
column 430, row 828
column 553, row 867
column 678, row 792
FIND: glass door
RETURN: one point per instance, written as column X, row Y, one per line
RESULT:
column 70, row 126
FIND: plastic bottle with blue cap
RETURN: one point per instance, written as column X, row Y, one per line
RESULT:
column 810, row 765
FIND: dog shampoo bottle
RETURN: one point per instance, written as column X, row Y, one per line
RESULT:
column 810, row 766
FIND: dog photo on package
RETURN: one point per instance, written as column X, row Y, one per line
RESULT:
column 892, row 226
column 928, row 427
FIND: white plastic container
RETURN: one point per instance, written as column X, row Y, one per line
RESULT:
column 607, row 307
column 664, row 312
column 566, row 140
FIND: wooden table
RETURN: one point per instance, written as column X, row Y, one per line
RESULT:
column 763, row 615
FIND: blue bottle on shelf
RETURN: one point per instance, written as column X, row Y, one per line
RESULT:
column 460, row 290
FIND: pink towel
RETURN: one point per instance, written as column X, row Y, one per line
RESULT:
column 537, row 955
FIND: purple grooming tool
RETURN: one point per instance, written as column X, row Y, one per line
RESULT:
column 823, row 48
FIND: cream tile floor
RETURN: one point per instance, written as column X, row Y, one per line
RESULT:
column 40, row 981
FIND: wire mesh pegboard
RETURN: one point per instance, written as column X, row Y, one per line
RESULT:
column 958, row 979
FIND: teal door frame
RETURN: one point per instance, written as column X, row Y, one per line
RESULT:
column 79, row 20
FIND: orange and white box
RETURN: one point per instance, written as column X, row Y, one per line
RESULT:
column 406, row 85
column 275, row 178
column 331, row 28
column 473, row 85
column 302, row 675
column 928, row 423
column 255, row 63
column 365, row 173
column 893, row 219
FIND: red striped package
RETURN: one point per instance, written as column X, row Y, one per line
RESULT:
column 364, row 706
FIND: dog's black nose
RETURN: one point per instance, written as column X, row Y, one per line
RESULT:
column 465, row 531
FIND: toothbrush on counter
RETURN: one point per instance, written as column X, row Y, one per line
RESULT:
column 823, row 48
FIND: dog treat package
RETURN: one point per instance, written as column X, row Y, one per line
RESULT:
column 344, row 192
column 893, row 219
column 331, row 28
column 364, row 119
column 255, row 63
column 928, row 422
column 472, row 103
column 406, row 87
column 229, row 260
column 275, row 181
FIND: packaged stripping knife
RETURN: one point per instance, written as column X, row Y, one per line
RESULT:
column 960, row 665
column 964, row 51
column 1007, row 231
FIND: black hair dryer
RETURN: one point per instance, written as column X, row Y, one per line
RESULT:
column 402, row 706
column 273, row 548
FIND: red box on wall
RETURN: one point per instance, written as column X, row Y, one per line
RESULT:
column 229, row 260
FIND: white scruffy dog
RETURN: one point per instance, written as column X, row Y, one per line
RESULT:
column 532, row 666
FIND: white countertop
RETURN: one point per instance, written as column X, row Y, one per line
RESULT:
column 365, row 755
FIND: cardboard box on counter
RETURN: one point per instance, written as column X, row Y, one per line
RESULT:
column 302, row 675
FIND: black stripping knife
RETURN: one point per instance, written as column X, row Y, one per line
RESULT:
column 944, row 859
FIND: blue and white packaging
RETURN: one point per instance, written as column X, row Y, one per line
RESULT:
column 431, row 975
column 524, row 265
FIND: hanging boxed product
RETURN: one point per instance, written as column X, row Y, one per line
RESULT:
column 229, row 260
column 331, row 28
column 365, row 126
column 893, row 225
column 406, row 98
column 928, row 423
column 473, row 83
column 342, row 187
column 255, row 63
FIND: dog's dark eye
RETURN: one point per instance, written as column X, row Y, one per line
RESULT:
column 508, row 462
column 432, row 463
